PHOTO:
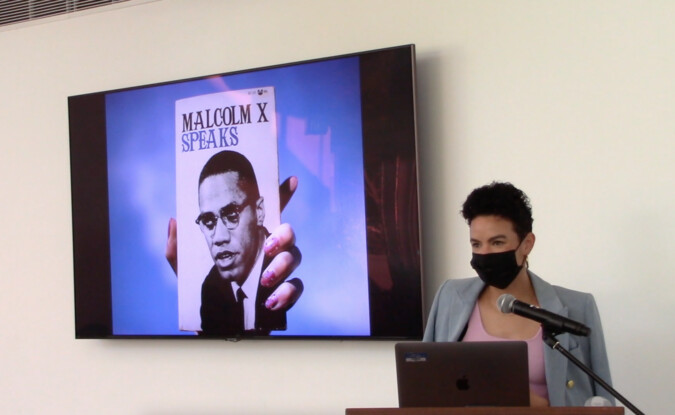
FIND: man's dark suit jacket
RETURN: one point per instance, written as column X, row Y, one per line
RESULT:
column 219, row 314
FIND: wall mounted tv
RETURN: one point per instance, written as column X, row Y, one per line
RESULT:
column 153, row 161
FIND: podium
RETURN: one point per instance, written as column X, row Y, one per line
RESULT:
column 616, row 410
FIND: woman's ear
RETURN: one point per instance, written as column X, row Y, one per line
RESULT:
column 528, row 243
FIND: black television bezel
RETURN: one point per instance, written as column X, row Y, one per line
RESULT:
column 390, row 137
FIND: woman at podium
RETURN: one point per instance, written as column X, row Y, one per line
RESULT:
column 500, row 226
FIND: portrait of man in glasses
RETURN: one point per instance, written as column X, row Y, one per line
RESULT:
column 232, row 212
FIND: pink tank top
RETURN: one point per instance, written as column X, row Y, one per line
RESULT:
column 475, row 332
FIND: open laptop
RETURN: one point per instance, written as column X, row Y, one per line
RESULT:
column 462, row 374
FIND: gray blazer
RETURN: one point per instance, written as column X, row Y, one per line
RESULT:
column 567, row 384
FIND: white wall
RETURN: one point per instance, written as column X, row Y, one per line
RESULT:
column 572, row 101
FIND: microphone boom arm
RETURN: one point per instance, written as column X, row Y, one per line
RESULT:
column 549, row 338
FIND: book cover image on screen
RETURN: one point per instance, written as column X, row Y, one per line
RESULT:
column 210, row 154
column 227, row 177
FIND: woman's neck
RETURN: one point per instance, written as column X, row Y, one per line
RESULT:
column 521, row 288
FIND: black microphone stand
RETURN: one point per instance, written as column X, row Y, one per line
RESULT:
column 549, row 338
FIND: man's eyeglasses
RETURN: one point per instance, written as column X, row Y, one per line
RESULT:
column 229, row 215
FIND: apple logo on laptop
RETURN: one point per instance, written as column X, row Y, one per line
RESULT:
column 463, row 383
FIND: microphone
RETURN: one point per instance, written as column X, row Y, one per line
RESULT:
column 508, row 304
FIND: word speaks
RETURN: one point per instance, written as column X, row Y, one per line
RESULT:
column 217, row 128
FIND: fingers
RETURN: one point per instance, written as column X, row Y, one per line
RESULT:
column 536, row 400
column 285, row 296
column 286, row 257
column 171, row 246
column 281, row 266
column 286, row 190
column 282, row 238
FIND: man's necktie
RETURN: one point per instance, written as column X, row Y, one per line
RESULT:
column 240, row 308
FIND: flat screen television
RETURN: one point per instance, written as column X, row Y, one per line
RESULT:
column 344, row 126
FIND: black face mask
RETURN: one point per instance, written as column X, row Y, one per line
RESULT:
column 498, row 269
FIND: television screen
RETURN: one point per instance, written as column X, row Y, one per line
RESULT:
column 198, row 171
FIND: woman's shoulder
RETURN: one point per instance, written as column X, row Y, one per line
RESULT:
column 463, row 289
column 573, row 300
column 460, row 285
column 562, row 292
column 571, row 295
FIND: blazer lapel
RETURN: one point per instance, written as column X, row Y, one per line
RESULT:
column 554, row 362
column 462, row 307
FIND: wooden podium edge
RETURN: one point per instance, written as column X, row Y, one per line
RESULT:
column 583, row 410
